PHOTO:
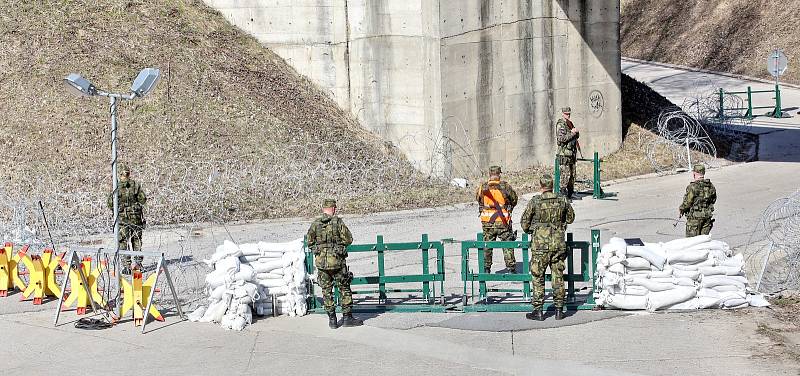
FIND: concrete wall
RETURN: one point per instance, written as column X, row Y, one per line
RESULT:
column 456, row 84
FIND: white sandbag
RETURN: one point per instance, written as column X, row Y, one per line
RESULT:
column 710, row 293
column 197, row 314
column 249, row 249
column 757, row 300
column 727, row 288
column 617, row 246
column 228, row 248
column 617, row 268
column 720, row 270
column 640, row 272
column 634, row 263
column 299, row 278
column 246, row 273
column 654, row 257
column 269, row 276
column 630, row 290
column 279, row 290
column 660, row 273
column 691, row 274
column 267, row 266
column 705, row 302
column 216, row 279
column 627, row 302
column 272, row 282
column 229, row 264
column 216, row 310
column 728, row 295
column 722, row 280
column 736, row 261
column 648, row 284
column 292, row 246
column 675, row 281
column 217, row 293
column 659, row 300
column 684, row 243
column 687, row 257
column 692, row 268
column 690, row 304
column 243, row 308
column 249, row 258
column 246, row 289
column 734, row 303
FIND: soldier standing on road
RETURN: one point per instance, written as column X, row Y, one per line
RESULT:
column 567, row 140
column 328, row 238
column 698, row 203
column 496, row 201
column 546, row 218
column 131, row 217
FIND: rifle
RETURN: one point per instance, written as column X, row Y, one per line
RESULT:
column 577, row 143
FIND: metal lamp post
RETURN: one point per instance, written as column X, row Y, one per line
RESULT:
column 144, row 83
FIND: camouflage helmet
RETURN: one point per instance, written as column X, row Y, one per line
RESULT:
column 123, row 169
column 699, row 168
column 546, row 181
column 494, row 170
column 566, row 110
column 329, row 203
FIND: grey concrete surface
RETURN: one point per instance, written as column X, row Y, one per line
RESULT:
column 456, row 85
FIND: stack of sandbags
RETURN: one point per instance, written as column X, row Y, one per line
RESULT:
column 691, row 273
column 244, row 278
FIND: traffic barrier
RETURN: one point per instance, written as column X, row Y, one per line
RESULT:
column 585, row 274
column 597, row 189
column 431, row 300
column 136, row 294
column 725, row 112
column 41, row 275
column 9, row 271
column 78, row 294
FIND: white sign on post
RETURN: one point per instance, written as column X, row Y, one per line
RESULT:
column 777, row 62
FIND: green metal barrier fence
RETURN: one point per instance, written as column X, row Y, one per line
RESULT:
column 432, row 300
column 585, row 274
column 597, row 189
column 777, row 112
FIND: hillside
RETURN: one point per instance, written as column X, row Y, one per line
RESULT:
column 734, row 36
column 231, row 132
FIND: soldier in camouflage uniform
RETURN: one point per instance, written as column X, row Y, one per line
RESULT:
column 131, row 216
column 698, row 203
column 496, row 201
column 328, row 238
column 546, row 218
column 567, row 140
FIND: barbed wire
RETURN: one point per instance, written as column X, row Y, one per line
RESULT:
column 773, row 248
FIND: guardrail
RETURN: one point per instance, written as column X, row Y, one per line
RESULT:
column 597, row 189
column 725, row 112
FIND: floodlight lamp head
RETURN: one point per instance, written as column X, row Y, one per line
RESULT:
column 80, row 86
column 145, row 81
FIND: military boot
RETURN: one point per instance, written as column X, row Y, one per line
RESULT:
column 559, row 313
column 333, row 322
column 535, row 315
column 349, row 321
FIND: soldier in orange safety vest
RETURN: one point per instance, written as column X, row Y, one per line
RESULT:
column 496, row 201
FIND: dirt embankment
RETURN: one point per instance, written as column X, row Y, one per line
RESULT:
column 734, row 36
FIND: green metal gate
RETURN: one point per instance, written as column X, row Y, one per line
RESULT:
column 597, row 189
column 430, row 300
column 587, row 252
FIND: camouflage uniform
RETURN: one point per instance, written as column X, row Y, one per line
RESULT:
column 328, row 238
column 499, row 227
column 546, row 218
column 131, row 216
column 567, row 154
column 698, row 205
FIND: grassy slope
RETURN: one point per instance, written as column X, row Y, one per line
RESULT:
column 733, row 36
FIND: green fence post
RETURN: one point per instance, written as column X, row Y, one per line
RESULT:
column 312, row 299
column 557, row 178
column 465, row 271
column 721, row 103
column 597, row 191
column 778, row 113
column 481, row 263
column 595, row 243
column 749, row 103
column 526, row 267
column 381, row 247
column 426, row 289
column 440, row 267
column 570, row 269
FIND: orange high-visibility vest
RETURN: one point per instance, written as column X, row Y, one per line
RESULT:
column 493, row 203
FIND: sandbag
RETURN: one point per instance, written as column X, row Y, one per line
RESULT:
column 690, row 304
column 226, row 249
column 269, row 276
column 687, row 257
column 719, row 270
column 720, row 280
column 736, row 261
column 627, row 302
column 726, row 288
column 630, row 290
column 246, row 273
column 734, row 303
column 757, row 300
column 217, row 293
column 675, row 281
column 659, row 300
column 267, row 266
column 711, row 293
column 654, row 257
column 618, row 246
column 197, row 314
column 617, row 268
column 705, row 302
column 648, row 284
column 249, row 258
column 660, row 273
column 684, row 243
column 249, row 249
column 634, row 263
column 691, row 274
column 228, row 265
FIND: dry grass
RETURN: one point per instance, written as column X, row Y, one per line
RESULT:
column 733, row 36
